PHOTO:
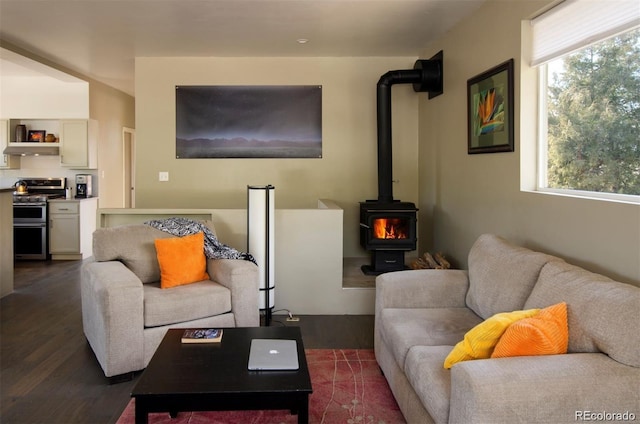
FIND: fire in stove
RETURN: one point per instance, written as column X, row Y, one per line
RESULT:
column 390, row 228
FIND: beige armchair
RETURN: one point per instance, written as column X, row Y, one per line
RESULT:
column 125, row 313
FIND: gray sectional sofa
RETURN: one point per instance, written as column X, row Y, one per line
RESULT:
column 125, row 313
column 421, row 314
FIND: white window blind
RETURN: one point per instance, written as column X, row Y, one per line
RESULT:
column 574, row 24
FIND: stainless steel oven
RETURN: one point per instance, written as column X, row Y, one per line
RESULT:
column 30, row 219
column 30, row 230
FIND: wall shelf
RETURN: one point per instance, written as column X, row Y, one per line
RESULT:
column 30, row 144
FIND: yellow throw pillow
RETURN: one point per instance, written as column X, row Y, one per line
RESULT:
column 478, row 343
column 182, row 260
column 544, row 334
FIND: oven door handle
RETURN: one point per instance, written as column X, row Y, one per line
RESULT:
column 30, row 225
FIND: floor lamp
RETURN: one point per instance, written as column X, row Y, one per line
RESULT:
column 261, row 242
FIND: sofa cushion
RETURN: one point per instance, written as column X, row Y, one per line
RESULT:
column 479, row 342
column 602, row 313
column 545, row 333
column 133, row 245
column 501, row 275
column 181, row 260
column 184, row 303
column 431, row 382
column 404, row 328
column 549, row 389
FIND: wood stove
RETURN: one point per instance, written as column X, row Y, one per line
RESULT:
column 388, row 226
column 388, row 230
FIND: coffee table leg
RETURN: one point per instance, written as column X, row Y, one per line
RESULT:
column 142, row 415
column 303, row 410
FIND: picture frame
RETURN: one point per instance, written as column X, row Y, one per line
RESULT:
column 490, row 113
column 248, row 121
column 36, row 136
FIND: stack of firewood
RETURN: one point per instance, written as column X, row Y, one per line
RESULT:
column 428, row 261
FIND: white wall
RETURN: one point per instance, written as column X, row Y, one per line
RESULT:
column 347, row 172
column 43, row 98
column 309, row 265
column 53, row 92
column 467, row 195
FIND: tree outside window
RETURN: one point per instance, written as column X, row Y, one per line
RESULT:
column 593, row 104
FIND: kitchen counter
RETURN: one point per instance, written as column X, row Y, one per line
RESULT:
column 6, row 235
column 73, row 199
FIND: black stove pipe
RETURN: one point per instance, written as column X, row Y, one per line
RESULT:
column 426, row 76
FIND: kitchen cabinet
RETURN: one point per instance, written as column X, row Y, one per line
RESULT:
column 6, row 235
column 6, row 161
column 79, row 143
column 71, row 227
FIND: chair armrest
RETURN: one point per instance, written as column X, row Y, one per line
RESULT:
column 241, row 277
column 112, row 315
column 549, row 389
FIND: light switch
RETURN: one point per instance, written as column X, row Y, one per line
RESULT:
column 163, row 176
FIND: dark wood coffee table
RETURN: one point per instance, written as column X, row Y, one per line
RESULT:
column 214, row 376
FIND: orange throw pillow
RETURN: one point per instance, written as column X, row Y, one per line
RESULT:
column 479, row 342
column 546, row 333
column 182, row 260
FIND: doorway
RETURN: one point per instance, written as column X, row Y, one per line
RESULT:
column 129, row 158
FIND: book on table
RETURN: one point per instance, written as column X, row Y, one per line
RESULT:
column 202, row 335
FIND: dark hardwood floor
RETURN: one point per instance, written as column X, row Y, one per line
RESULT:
column 48, row 373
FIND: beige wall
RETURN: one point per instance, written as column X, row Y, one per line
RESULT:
column 114, row 110
column 347, row 172
column 463, row 196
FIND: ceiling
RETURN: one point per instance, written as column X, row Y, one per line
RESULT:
column 102, row 38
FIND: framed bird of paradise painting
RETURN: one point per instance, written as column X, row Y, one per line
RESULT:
column 490, row 110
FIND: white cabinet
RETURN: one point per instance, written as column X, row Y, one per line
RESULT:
column 71, row 226
column 79, row 143
column 64, row 228
column 6, row 161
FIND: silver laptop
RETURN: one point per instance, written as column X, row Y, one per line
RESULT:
column 273, row 354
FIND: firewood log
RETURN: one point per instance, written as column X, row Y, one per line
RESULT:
column 419, row 264
column 430, row 261
column 442, row 261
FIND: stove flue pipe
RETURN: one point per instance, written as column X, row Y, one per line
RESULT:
column 426, row 76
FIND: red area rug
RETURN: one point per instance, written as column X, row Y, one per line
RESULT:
column 348, row 387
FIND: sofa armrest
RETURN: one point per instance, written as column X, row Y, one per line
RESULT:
column 423, row 288
column 112, row 315
column 241, row 277
column 545, row 389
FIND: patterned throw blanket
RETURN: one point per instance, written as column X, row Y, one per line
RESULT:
column 213, row 248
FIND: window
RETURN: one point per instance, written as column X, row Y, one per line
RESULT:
column 589, row 71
